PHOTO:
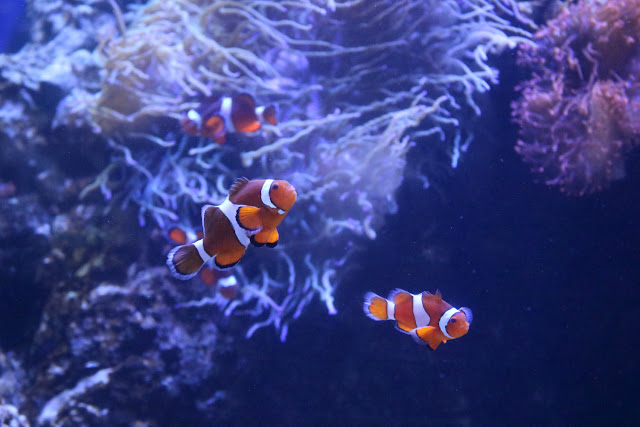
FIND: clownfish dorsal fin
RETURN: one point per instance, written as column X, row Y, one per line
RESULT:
column 438, row 295
column 238, row 185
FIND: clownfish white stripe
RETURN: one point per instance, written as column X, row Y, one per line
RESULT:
column 260, row 110
column 226, row 282
column 225, row 112
column 203, row 254
column 444, row 321
column 195, row 117
column 229, row 209
column 391, row 310
column 419, row 313
column 264, row 194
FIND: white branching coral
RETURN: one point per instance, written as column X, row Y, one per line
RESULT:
column 357, row 88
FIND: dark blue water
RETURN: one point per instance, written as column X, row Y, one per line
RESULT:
column 13, row 30
column 552, row 282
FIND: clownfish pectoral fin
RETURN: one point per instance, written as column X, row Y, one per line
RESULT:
column 230, row 258
column 184, row 262
column 248, row 217
column 375, row 307
column 272, row 241
column 416, row 338
column 424, row 335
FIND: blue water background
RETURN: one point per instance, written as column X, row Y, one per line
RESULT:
column 13, row 26
column 552, row 281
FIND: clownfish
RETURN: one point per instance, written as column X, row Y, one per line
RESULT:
column 210, row 276
column 426, row 317
column 250, row 214
column 181, row 235
column 225, row 282
column 228, row 287
column 217, row 116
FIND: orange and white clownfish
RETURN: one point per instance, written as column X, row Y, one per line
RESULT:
column 228, row 287
column 217, row 116
column 182, row 235
column 250, row 214
column 210, row 276
column 426, row 317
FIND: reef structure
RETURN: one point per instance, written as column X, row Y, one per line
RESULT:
column 579, row 113
column 90, row 124
column 343, row 135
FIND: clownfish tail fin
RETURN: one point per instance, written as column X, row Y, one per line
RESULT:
column 184, row 262
column 375, row 307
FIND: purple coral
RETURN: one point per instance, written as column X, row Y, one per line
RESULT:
column 579, row 114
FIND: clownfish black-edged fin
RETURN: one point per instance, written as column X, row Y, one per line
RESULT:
column 254, row 242
column 228, row 259
column 272, row 240
column 375, row 307
column 184, row 262
column 248, row 217
column 225, row 266
column 238, row 185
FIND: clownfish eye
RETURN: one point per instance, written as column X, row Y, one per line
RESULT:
column 454, row 320
column 274, row 187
